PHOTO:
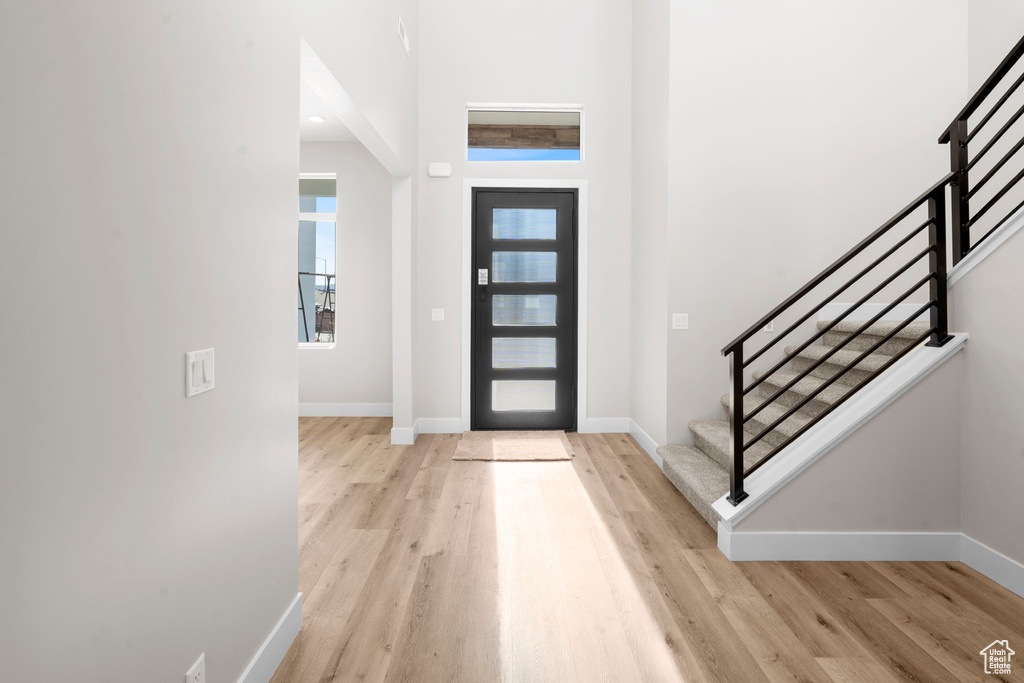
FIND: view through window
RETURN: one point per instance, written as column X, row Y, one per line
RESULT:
column 524, row 135
column 317, row 278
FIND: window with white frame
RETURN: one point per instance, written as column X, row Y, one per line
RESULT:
column 317, row 278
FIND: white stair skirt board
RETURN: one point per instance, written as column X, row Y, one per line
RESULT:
column 271, row 653
column 1003, row 570
column 836, row 426
column 646, row 442
column 345, row 410
column 994, row 241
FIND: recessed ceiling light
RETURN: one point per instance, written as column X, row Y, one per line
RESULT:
column 317, row 119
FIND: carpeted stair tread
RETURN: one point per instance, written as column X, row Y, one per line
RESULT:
column 699, row 478
column 768, row 416
column 805, row 386
column 880, row 328
column 843, row 357
column 713, row 437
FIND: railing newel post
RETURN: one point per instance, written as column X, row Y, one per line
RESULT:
column 736, row 492
column 960, row 189
column 938, row 291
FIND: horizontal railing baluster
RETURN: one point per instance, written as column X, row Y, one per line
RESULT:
column 999, row 195
column 995, row 169
column 825, row 302
column 1000, row 223
column 835, row 350
column 991, row 143
column 843, row 260
column 992, row 112
column 821, row 333
column 753, row 468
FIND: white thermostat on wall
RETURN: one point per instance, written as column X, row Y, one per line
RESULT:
column 439, row 169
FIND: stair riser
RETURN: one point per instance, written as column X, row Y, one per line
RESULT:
column 678, row 480
column 790, row 398
column 711, row 450
column 827, row 370
column 864, row 342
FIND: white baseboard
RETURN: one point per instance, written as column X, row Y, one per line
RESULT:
column 604, row 425
column 797, row 546
column 649, row 445
column 438, row 425
column 344, row 410
column 271, row 653
column 746, row 546
column 868, row 311
column 403, row 436
column 1003, row 570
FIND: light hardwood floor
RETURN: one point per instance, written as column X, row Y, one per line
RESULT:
column 415, row 567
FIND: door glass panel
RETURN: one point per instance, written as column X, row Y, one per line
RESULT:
column 524, row 266
column 523, row 352
column 524, row 224
column 523, row 309
column 532, row 395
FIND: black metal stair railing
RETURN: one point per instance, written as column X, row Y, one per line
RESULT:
column 959, row 135
column 935, row 201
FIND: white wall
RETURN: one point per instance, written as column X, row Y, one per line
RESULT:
column 567, row 52
column 649, row 232
column 798, row 126
column 993, row 433
column 898, row 472
column 149, row 163
column 358, row 368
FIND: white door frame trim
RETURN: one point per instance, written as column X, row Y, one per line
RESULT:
column 468, row 184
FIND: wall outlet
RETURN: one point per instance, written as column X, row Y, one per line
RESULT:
column 437, row 314
column 680, row 321
column 197, row 672
column 770, row 327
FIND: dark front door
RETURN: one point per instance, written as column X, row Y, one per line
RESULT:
column 524, row 309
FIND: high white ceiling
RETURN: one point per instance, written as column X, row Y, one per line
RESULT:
column 331, row 130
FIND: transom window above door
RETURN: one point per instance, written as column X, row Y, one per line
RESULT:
column 524, row 134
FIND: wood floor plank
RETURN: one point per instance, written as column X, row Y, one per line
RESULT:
column 418, row 568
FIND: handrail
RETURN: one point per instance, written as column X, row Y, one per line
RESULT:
column 935, row 199
column 839, row 263
column 986, row 89
column 959, row 136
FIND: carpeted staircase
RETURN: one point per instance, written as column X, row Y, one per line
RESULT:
column 701, row 473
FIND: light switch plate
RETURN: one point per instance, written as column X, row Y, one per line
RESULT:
column 437, row 314
column 680, row 321
column 198, row 372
